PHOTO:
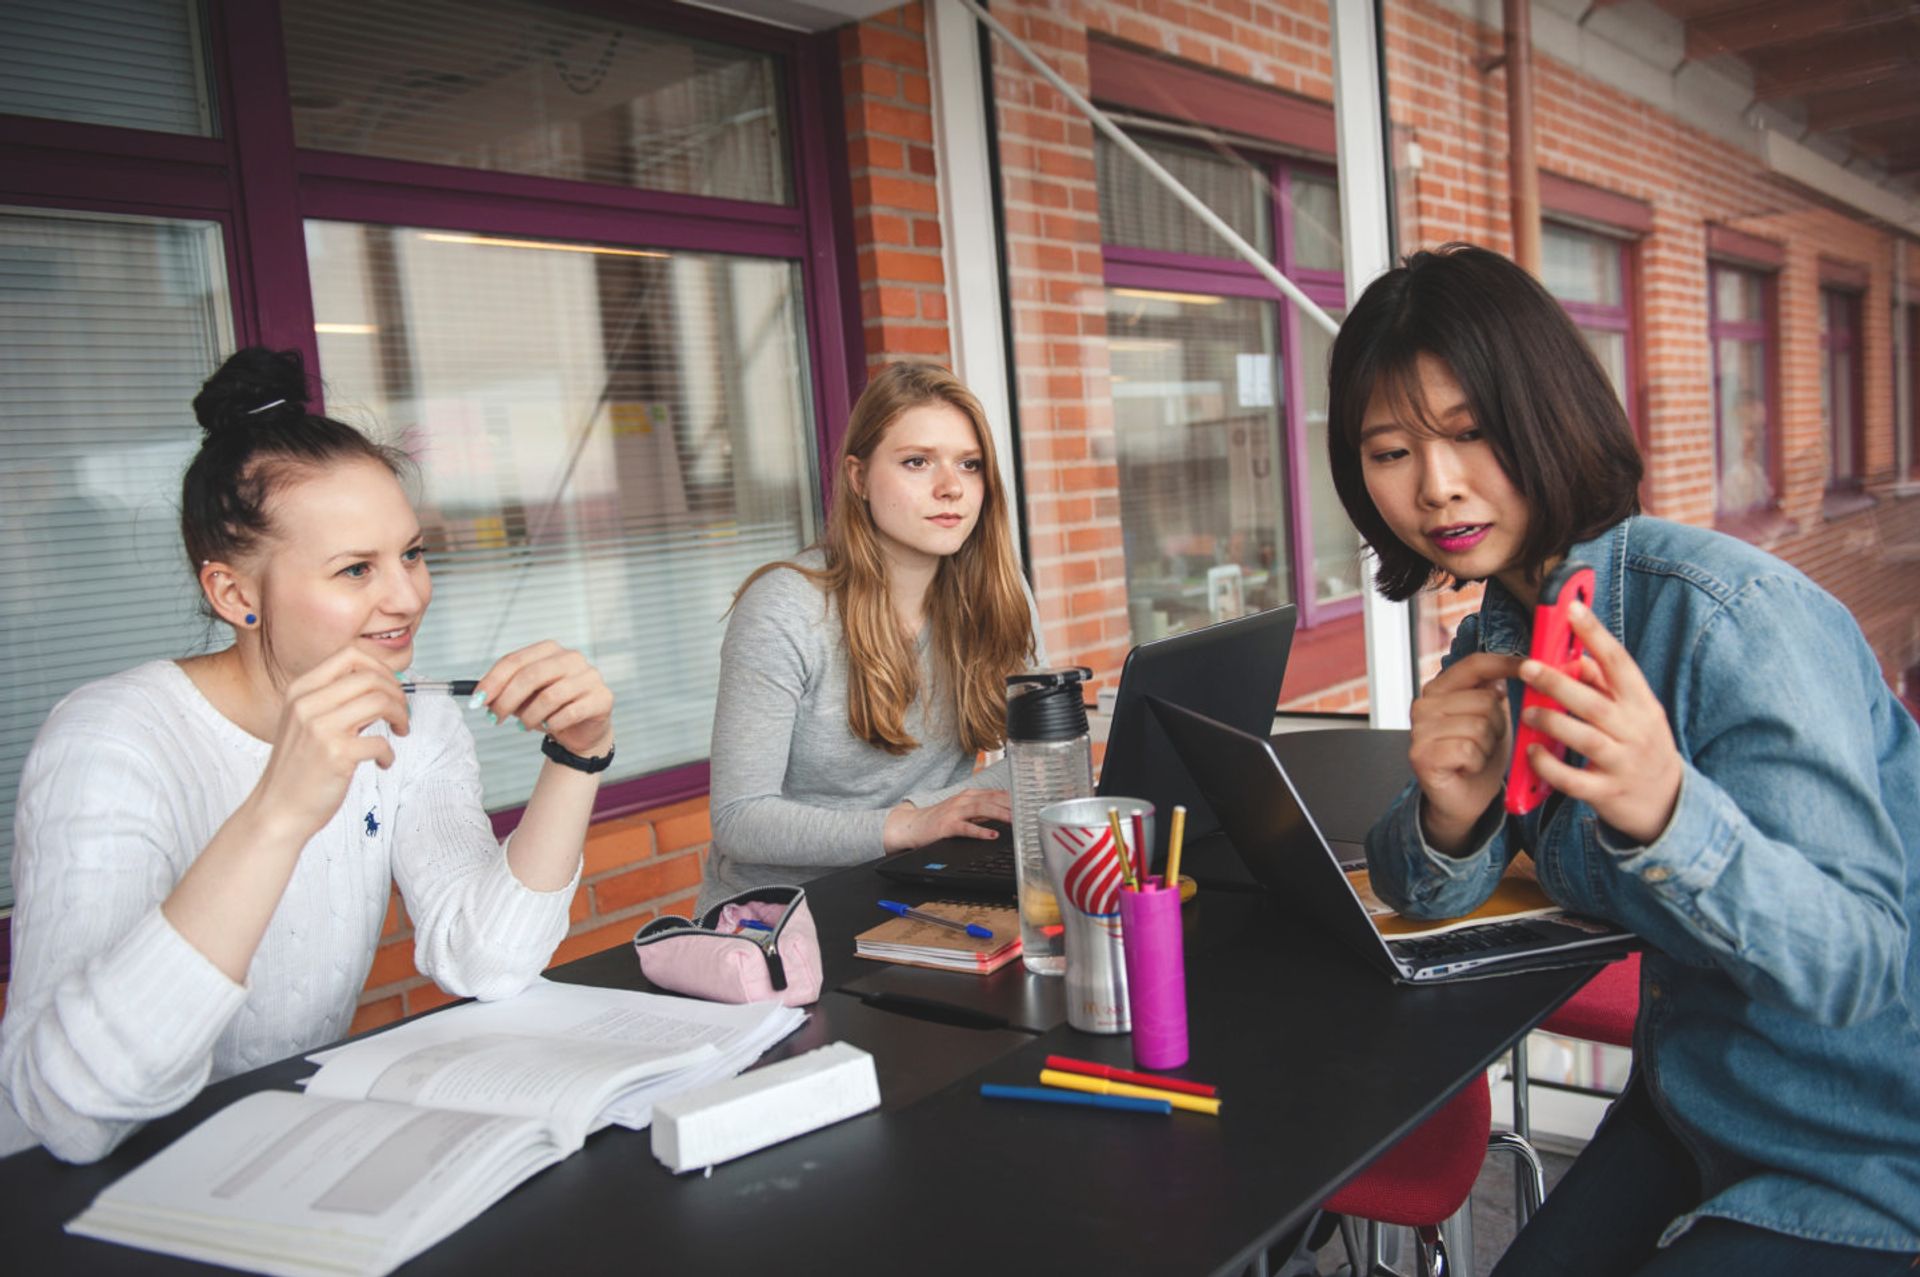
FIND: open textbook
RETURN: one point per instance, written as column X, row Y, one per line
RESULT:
column 403, row 1137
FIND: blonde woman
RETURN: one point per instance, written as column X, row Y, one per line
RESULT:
column 860, row 680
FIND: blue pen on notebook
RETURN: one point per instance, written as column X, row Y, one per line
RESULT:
column 975, row 930
column 1047, row 1095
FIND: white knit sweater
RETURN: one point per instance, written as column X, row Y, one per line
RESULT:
column 113, row 1018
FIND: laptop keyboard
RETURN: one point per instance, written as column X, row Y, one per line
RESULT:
column 1456, row 944
column 993, row 864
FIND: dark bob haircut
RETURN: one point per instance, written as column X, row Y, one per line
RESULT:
column 1529, row 380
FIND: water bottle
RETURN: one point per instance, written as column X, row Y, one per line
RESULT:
column 1051, row 757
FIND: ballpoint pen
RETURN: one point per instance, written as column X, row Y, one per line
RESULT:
column 918, row 915
column 452, row 687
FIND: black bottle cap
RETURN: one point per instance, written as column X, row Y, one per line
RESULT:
column 1047, row 704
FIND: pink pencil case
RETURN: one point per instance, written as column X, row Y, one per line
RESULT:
column 758, row 945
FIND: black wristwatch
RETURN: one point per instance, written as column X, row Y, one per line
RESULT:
column 567, row 758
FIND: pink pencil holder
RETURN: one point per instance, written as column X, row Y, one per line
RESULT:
column 1156, row 974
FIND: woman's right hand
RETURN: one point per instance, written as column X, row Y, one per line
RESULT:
column 1462, row 739
column 908, row 826
column 318, row 743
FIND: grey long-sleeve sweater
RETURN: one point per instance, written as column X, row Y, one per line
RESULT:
column 795, row 794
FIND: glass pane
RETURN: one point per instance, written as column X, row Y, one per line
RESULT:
column 1137, row 212
column 1841, row 464
column 527, row 88
column 609, row 440
column 1578, row 266
column 1742, row 408
column 133, row 64
column 1196, row 402
column 1610, row 348
column 1736, row 296
column 108, row 326
column 1337, row 569
column 1316, row 222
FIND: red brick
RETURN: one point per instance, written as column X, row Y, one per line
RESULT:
column 606, row 936
column 392, row 963
column 882, row 45
column 426, row 997
column 617, row 848
column 876, row 153
column 926, row 233
column 920, row 161
column 689, row 829
column 894, row 121
column 901, row 267
column 869, row 77
column 895, row 192
column 395, row 914
column 371, row 1015
column 646, row 884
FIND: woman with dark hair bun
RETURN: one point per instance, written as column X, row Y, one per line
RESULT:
column 1741, row 789
column 202, row 851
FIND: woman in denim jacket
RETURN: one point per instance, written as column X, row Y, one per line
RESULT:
column 1742, row 790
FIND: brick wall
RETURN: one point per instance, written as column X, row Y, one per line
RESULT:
column 896, row 205
column 1056, row 276
column 1603, row 137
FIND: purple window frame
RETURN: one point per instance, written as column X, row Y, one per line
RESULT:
column 1840, row 340
column 1913, row 389
column 1616, row 319
column 1231, row 277
column 1765, row 333
column 252, row 181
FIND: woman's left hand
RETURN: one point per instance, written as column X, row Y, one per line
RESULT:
column 1633, row 770
column 555, row 690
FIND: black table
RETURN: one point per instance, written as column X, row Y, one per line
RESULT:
column 1321, row 1063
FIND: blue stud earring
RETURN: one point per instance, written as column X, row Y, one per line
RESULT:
column 251, row 618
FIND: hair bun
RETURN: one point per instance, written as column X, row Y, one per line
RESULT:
column 250, row 379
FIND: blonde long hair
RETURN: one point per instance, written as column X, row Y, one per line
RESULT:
column 982, row 630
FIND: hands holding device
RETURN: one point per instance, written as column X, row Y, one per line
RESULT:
column 1584, row 692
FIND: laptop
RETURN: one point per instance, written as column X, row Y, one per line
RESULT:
column 1285, row 851
column 1230, row 672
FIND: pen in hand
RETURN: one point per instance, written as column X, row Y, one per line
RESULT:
column 452, row 687
column 918, row 915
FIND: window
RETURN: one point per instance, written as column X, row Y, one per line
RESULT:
column 1840, row 386
column 1587, row 272
column 1226, row 500
column 575, row 265
column 604, row 470
column 1740, row 309
column 134, row 64
column 90, row 464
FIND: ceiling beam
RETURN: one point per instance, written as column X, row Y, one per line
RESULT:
column 1888, row 102
column 1770, row 23
column 1845, row 62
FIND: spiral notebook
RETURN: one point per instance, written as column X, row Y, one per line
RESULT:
column 924, row 944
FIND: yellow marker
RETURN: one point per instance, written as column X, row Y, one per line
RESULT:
column 1120, row 845
column 1174, row 840
column 1100, row 1086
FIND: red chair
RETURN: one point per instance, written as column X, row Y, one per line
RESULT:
column 1425, row 1180
column 1604, row 1010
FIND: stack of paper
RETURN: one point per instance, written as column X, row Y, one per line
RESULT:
column 407, row 1135
column 927, row 944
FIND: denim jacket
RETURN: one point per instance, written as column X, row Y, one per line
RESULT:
column 1779, row 1025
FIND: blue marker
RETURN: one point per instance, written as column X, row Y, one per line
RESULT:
column 1047, row 1095
column 750, row 924
column 973, row 929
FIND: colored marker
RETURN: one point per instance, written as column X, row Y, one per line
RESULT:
column 1100, row 1086
column 453, row 687
column 919, row 915
column 1041, row 1095
column 753, row 924
column 1067, row 1064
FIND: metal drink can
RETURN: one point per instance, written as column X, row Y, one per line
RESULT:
column 1077, row 838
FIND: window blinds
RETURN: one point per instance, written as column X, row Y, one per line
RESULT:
column 108, row 325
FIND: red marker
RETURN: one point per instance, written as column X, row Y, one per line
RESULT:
column 1090, row 1069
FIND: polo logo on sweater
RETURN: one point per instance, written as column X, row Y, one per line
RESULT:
column 373, row 826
